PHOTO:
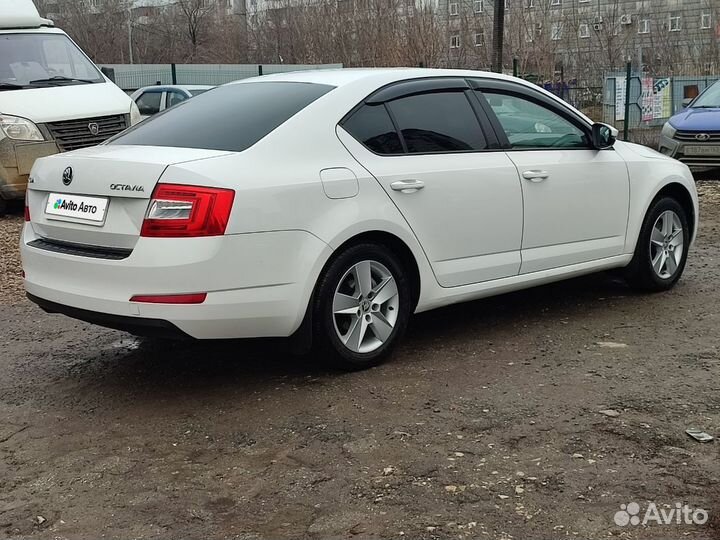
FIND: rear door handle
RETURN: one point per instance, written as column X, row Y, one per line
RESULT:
column 535, row 176
column 407, row 186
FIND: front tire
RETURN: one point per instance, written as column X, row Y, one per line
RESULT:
column 661, row 251
column 362, row 306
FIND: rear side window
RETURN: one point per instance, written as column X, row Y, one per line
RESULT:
column 371, row 125
column 173, row 98
column 149, row 103
column 438, row 122
column 232, row 117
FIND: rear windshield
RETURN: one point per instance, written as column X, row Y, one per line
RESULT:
column 232, row 117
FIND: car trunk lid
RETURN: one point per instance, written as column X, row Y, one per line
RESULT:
column 117, row 180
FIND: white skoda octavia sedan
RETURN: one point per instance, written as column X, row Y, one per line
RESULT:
column 335, row 204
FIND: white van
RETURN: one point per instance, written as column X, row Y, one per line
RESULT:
column 52, row 97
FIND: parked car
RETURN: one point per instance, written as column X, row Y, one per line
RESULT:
column 52, row 97
column 693, row 135
column 153, row 99
column 331, row 205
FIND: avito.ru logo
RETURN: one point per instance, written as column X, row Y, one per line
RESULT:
column 680, row 514
column 64, row 204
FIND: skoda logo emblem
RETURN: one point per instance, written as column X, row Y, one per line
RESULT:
column 67, row 176
column 702, row 137
column 93, row 128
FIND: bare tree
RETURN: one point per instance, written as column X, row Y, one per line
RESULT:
column 195, row 15
column 100, row 33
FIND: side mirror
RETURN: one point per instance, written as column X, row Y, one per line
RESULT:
column 603, row 136
column 686, row 102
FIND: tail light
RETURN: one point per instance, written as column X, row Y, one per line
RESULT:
column 27, row 209
column 178, row 211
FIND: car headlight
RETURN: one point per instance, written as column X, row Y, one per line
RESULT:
column 20, row 129
column 668, row 131
column 134, row 114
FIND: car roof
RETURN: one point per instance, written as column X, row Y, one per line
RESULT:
column 344, row 76
column 378, row 77
column 163, row 87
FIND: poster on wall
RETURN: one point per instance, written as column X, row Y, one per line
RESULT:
column 620, row 89
column 647, row 99
column 662, row 94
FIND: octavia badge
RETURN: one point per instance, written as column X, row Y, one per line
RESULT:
column 702, row 137
column 67, row 176
column 93, row 128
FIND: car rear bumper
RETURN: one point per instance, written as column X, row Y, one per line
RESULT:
column 257, row 285
column 677, row 149
column 134, row 325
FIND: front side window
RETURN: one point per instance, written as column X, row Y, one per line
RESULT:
column 231, row 118
column 41, row 60
column 530, row 125
column 438, row 122
column 372, row 126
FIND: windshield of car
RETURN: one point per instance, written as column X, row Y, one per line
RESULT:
column 41, row 60
column 231, row 117
column 710, row 99
column 198, row 92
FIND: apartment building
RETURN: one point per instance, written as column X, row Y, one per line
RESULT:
column 143, row 11
column 582, row 36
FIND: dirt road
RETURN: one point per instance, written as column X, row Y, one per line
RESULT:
column 486, row 424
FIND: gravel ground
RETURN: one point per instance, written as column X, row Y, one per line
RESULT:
column 486, row 424
column 11, row 288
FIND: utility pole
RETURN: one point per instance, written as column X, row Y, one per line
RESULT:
column 498, row 35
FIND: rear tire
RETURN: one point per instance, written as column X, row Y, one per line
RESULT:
column 362, row 306
column 3, row 206
column 661, row 251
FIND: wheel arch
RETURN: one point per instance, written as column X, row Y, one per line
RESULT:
column 682, row 195
column 302, row 337
column 645, row 192
column 395, row 245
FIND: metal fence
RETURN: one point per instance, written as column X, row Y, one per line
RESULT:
column 134, row 76
column 635, row 100
column 588, row 99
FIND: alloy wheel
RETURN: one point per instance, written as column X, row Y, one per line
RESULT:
column 667, row 244
column 365, row 306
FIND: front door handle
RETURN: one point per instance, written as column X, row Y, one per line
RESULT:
column 407, row 186
column 535, row 176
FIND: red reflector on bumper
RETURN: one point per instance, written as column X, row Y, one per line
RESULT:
column 197, row 298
